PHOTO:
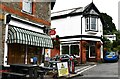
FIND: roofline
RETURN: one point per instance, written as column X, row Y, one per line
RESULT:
column 66, row 15
column 66, row 10
column 73, row 14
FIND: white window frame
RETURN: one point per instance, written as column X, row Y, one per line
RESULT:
column 69, row 45
column 79, row 48
column 90, row 53
column 87, row 23
column 96, row 24
column 88, row 26
column 65, row 45
column 27, row 6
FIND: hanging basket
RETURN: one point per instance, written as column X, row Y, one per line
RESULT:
column 57, row 44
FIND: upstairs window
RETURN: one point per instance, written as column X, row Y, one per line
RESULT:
column 91, row 23
column 27, row 6
column 87, row 23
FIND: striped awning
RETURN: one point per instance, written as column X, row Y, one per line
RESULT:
column 24, row 36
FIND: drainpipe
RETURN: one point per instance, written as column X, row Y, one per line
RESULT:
column 81, row 40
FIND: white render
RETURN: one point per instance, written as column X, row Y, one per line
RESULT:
column 76, row 25
column 72, row 26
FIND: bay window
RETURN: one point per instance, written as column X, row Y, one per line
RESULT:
column 91, row 23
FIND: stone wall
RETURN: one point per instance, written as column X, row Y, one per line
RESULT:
column 41, row 15
column 40, row 10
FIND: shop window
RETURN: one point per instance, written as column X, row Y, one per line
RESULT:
column 74, row 49
column 18, row 54
column 34, row 51
column 27, row 6
column 65, row 49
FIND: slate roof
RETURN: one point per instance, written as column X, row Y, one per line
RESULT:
column 75, row 11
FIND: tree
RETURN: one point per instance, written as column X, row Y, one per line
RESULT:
column 107, row 44
column 108, row 26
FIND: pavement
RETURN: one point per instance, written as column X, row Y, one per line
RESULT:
column 78, row 71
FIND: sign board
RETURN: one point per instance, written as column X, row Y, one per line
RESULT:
column 62, row 69
column 52, row 32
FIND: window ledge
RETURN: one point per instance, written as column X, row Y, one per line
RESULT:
column 92, row 57
column 91, row 31
column 27, row 13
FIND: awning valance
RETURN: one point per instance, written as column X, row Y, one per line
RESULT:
column 24, row 36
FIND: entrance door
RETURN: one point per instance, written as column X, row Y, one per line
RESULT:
column 90, row 51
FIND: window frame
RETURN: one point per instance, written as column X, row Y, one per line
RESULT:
column 78, row 49
column 92, row 19
column 92, row 44
column 65, row 46
column 88, row 26
column 69, row 49
column 29, row 3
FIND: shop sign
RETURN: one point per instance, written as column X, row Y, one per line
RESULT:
column 52, row 32
column 62, row 69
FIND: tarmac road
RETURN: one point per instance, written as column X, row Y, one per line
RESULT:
column 102, row 71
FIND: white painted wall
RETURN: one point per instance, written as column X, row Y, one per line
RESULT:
column 67, row 26
column 72, row 26
column 25, row 26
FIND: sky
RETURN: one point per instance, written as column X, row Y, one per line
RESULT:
column 106, row 6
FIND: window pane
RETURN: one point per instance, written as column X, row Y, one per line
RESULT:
column 65, row 49
column 87, row 23
column 74, row 49
column 93, row 23
column 27, row 6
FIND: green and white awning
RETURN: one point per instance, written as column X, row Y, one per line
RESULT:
column 24, row 36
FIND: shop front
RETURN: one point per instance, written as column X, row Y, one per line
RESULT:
column 84, row 50
column 23, row 41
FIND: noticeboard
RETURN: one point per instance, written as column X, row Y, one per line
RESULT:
column 62, row 69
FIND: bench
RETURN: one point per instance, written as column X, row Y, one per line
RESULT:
column 8, row 75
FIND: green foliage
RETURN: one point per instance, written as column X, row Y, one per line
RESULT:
column 118, row 47
column 108, row 25
column 107, row 44
column 114, row 44
column 110, row 29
